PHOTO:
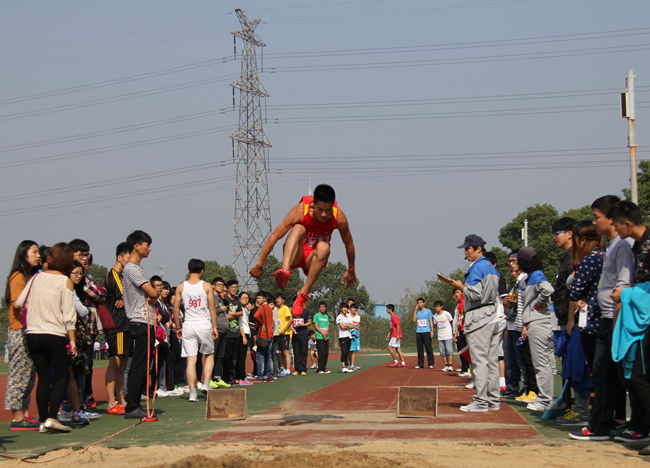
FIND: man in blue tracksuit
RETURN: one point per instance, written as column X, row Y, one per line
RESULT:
column 481, row 330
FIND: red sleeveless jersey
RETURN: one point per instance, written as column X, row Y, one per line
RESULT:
column 317, row 232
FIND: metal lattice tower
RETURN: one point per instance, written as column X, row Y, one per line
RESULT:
column 250, row 152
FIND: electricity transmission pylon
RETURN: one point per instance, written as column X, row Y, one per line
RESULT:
column 252, row 206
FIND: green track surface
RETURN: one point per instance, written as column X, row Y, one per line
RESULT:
column 179, row 422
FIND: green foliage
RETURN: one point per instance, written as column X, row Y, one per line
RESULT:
column 266, row 282
column 540, row 218
column 98, row 273
column 643, row 181
column 435, row 290
column 213, row 269
column 329, row 288
column 579, row 214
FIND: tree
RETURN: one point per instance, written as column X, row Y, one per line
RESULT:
column 540, row 218
column 267, row 283
column 643, row 183
column 213, row 269
column 329, row 289
column 579, row 214
column 98, row 273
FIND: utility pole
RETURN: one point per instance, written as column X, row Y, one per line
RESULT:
column 252, row 223
column 627, row 111
column 524, row 232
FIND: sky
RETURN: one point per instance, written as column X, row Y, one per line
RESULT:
column 432, row 120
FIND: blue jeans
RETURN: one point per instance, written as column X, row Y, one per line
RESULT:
column 513, row 373
column 264, row 359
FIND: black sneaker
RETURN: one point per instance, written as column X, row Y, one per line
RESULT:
column 137, row 413
column 628, row 436
column 586, row 434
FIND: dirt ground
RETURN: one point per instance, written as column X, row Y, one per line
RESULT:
column 380, row 454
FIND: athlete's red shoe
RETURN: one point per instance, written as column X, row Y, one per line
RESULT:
column 394, row 364
column 282, row 277
column 299, row 304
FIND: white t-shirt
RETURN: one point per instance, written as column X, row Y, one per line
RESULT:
column 356, row 320
column 340, row 319
column 443, row 323
column 195, row 301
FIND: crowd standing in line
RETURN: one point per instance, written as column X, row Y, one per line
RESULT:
column 594, row 318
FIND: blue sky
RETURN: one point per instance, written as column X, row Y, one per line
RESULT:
column 432, row 120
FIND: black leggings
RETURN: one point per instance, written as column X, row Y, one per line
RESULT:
column 49, row 351
column 345, row 350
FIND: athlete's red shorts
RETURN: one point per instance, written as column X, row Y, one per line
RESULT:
column 307, row 249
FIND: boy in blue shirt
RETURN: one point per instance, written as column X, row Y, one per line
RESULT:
column 423, row 317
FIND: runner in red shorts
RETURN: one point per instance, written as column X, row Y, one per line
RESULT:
column 310, row 224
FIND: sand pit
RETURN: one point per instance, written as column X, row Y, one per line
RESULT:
column 380, row 454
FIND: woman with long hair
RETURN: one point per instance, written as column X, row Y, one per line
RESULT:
column 20, row 381
column 583, row 284
column 50, row 332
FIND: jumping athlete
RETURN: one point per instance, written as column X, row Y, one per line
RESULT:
column 311, row 223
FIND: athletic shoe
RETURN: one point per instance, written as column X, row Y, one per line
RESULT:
column 326, row 372
column 285, row 373
column 193, row 397
column 79, row 417
column 417, row 367
column 65, row 416
column 522, row 397
column 394, row 364
column 295, row 373
column 30, row 419
column 199, row 386
column 299, row 304
column 91, row 403
column 258, row 379
column 161, row 393
column 644, row 451
column 571, row 418
column 586, row 434
column 494, row 407
column 24, row 425
column 628, row 436
column 473, row 407
column 245, row 382
column 464, row 374
column 470, row 385
column 532, row 396
column 403, row 364
column 536, row 406
column 115, row 409
column 270, row 379
column 184, row 388
column 53, row 425
column 345, row 370
column 217, row 384
column 313, row 366
column 507, row 393
column 282, row 277
column 430, row 367
column 175, row 392
column 303, row 373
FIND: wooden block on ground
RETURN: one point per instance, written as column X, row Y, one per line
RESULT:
column 226, row 403
column 417, row 402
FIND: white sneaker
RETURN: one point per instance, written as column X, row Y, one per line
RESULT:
column 184, row 388
column 313, row 366
column 193, row 397
column 473, row 407
column 65, row 416
column 464, row 374
column 345, row 370
column 536, row 406
column 175, row 392
column 471, row 385
column 162, row 393
column 199, row 386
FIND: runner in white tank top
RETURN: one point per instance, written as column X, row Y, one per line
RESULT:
column 195, row 301
column 199, row 329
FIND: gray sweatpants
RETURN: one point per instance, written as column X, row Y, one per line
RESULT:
column 541, row 353
column 484, row 351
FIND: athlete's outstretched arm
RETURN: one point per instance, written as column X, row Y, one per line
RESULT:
column 291, row 219
column 350, row 276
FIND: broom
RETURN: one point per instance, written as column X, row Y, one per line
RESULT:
column 554, row 409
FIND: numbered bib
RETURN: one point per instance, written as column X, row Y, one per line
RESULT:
column 422, row 322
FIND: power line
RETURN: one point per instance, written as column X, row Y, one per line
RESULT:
column 117, row 98
column 106, row 149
